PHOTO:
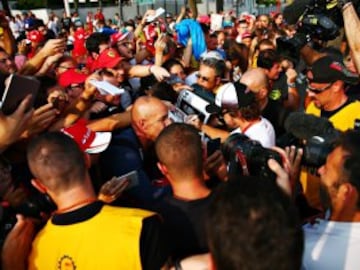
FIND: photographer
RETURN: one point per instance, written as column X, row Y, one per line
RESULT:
column 340, row 189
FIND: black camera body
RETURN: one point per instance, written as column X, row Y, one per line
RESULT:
column 247, row 157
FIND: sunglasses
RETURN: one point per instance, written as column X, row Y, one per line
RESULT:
column 200, row 77
column 317, row 90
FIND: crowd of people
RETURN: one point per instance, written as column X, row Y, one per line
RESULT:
column 64, row 151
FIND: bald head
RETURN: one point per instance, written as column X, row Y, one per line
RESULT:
column 255, row 79
column 149, row 115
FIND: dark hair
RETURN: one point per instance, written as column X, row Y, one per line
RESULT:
column 350, row 142
column 95, row 40
column 238, row 53
column 56, row 160
column 179, row 147
column 170, row 63
column 254, row 225
column 218, row 65
column 250, row 112
column 267, row 59
column 164, row 91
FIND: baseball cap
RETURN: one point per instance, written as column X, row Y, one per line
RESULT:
column 119, row 36
column 232, row 96
column 205, row 19
column 211, row 55
column 35, row 36
column 328, row 70
column 71, row 76
column 89, row 141
column 108, row 58
column 168, row 15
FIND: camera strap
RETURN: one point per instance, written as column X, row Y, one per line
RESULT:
column 242, row 162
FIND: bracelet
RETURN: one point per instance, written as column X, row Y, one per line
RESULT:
column 291, row 85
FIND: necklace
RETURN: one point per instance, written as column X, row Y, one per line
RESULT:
column 82, row 202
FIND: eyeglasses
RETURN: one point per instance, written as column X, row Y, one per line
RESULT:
column 74, row 86
column 200, row 77
column 317, row 90
column 4, row 60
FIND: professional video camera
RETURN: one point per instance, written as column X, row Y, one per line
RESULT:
column 190, row 103
column 34, row 207
column 247, row 157
column 320, row 20
column 316, row 135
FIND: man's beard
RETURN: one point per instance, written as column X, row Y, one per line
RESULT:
column 325, row 197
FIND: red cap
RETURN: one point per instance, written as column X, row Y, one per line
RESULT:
column 88, row 140
column 109, row 58
column 205, row 19
column 119, row 36
column 71, row 76
column 35, row 36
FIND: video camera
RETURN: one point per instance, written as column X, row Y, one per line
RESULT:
column 247, row 157
column 320, row 21
column 189, row 103
column 316, row 135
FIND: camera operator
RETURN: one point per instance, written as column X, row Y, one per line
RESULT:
column 340, row 189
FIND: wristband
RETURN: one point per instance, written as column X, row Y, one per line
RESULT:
column 291, row 85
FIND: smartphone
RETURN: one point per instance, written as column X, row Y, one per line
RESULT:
column 106, row 88
column 17, row 88
column 132, row 177
column 212, row 145
column 158, row 13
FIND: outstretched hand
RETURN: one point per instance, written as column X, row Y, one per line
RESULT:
column 13, row 125
column 17, row 245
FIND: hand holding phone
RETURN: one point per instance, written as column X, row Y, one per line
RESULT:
column 113, row 188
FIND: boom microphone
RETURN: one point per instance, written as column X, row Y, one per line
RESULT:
column 304, row 126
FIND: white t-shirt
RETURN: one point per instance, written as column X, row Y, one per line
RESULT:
column 332, row 245
column 261, row 131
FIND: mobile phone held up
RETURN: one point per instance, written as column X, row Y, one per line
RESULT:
column 17, row 87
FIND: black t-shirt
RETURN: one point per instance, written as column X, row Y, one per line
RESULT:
column 280, row 89
column 185, row 225
column 276, row 114
column 153, row 247
column 353, row 91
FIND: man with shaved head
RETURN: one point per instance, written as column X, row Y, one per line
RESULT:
column 132, row 149
column 273, row 110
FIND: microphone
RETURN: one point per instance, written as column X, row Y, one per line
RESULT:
column 304, row 126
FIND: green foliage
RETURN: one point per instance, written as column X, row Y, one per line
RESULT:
column 266, row 2
column 30, row 4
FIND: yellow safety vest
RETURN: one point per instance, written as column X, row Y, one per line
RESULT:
column 109, row 240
